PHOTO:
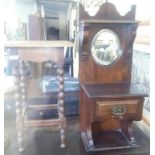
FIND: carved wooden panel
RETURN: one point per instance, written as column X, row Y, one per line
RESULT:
column 107, row 11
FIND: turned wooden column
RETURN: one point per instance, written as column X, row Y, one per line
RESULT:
column 62, row 119
column 18, row 105
column 22, row 70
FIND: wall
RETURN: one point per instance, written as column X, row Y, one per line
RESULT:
column 25, row 9
column 15, row 9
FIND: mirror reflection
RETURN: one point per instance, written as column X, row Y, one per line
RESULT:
column 105, row 47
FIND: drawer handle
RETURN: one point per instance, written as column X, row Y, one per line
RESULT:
column 119, row 110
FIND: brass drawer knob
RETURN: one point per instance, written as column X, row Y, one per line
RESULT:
column 119, row 110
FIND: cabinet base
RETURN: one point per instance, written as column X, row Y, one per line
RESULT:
column 107, row 140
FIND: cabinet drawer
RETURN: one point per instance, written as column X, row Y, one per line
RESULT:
column 116, row 108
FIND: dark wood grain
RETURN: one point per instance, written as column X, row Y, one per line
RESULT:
column 108, row 101
column 107, row 90
column 96, row 113
column 120, row 70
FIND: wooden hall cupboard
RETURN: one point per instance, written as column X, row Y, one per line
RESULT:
column 109, row 103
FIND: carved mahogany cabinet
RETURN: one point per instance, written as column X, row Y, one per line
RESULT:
column 109, row 103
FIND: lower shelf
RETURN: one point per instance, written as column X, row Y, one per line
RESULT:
column 107, row 140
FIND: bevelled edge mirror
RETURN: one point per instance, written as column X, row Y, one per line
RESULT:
column 105, row 47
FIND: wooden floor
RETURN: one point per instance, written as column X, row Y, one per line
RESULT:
column 45, row 141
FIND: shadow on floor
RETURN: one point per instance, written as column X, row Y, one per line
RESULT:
column 46, row 141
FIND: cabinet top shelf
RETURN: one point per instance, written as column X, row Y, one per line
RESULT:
column 110, row 21
column 37, row 44
column 113, row 90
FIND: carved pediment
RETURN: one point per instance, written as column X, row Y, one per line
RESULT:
column 107, row 11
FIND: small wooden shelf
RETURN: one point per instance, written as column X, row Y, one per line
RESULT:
column 113, row 90
column 110, row 21
column 108, row 140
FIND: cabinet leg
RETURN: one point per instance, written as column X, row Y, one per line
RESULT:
column 127, row 129
column 90, row 138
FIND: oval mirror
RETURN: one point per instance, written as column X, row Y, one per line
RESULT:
column 105, row 47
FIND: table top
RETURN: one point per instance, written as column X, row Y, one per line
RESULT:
column 113, row 90
column 38, row 44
